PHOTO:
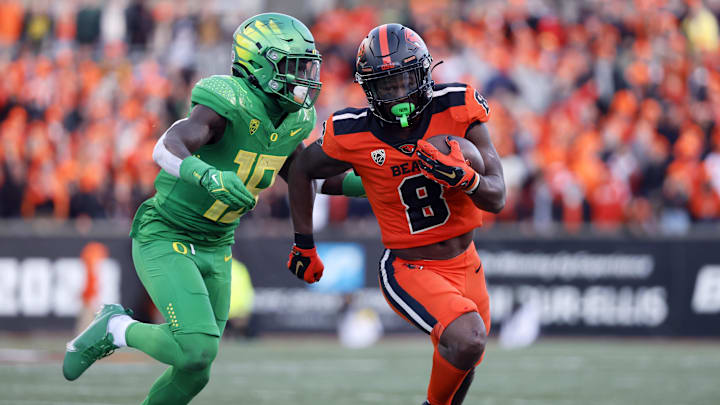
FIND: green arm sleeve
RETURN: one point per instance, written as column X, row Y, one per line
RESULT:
column 352, row 186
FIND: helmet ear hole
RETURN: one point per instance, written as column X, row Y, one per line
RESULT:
column 254, row 64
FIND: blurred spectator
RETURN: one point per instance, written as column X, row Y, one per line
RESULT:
column 88, row 23
column 603, row 112
column 12, row 185
column 38, row 25
column 139, row 25
column 112, row 22
column 11, row 22
column 701, row 27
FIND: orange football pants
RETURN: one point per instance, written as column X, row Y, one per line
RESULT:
column 430, row 294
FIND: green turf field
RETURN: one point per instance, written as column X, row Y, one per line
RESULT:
column 305, row 371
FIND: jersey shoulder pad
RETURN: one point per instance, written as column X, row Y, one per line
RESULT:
column 465, row 102
column 448, row 95
column 351, row 120
column 221, row 93
column 476, row 105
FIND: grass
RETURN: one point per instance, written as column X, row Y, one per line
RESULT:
column 308, row 370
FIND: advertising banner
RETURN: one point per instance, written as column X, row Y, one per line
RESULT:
column 589, row 286
column 45, row 281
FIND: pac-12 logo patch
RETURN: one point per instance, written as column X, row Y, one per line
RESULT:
column 378, row 156
column 407, row 148
column 254, row 125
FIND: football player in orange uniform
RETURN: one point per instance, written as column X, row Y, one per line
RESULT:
column 427, row 203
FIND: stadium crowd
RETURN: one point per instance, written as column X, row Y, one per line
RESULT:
column 603, row 112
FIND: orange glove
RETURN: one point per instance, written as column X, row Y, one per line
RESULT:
column 451, row 170
column 304, row 262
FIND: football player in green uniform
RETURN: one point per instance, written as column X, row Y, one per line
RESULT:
column 242, row 131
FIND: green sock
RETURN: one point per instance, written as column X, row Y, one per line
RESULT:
column 157, row 341
column 179, row 383
column 177, row 387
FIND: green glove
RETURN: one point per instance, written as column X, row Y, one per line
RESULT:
column 227, row 188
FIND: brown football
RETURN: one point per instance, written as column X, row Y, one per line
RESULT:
column 471, row 153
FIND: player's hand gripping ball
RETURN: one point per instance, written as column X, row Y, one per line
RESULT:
column 305, row 264
column 451, row 161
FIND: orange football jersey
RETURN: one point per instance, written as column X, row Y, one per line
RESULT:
column 411, row 209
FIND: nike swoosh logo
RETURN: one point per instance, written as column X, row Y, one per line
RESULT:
column 292, row 133
column 214, row 177
column 227, row 258
column 298, row 267
column 448, row 175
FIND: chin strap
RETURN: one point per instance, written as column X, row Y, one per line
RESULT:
column 436, row 65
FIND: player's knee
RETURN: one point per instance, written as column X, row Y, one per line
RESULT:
column 200, row 358
column 464, row 341
column 198, row 381
column 199, row 351
column 472, row 345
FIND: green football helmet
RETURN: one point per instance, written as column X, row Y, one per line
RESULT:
column 277, row 53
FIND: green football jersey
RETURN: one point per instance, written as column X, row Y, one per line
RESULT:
column 251, row 146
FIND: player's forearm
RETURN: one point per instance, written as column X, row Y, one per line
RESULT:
column 188, row 168
column 166, row 159
column 171, row 149
column 490, row 194
column 347, row 184
column 302, row 198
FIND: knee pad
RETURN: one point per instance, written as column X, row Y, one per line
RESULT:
column 199, row 350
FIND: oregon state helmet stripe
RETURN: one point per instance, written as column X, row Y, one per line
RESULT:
column 384, row 46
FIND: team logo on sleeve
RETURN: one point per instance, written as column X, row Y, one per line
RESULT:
column 481, row 100
column 407, row 148
column 378, row 156
column 254, row 125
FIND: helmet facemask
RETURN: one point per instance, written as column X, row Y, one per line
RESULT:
column 399, row 95
column 297, row 80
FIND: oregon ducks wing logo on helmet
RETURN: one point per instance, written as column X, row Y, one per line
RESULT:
column 277, row 53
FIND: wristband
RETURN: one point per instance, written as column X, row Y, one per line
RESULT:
column 474, row 186
column 304, row 241
column 192, row 169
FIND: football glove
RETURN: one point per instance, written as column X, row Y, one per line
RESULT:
column 451, row 170
column 227, row 188
column 304, row 262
